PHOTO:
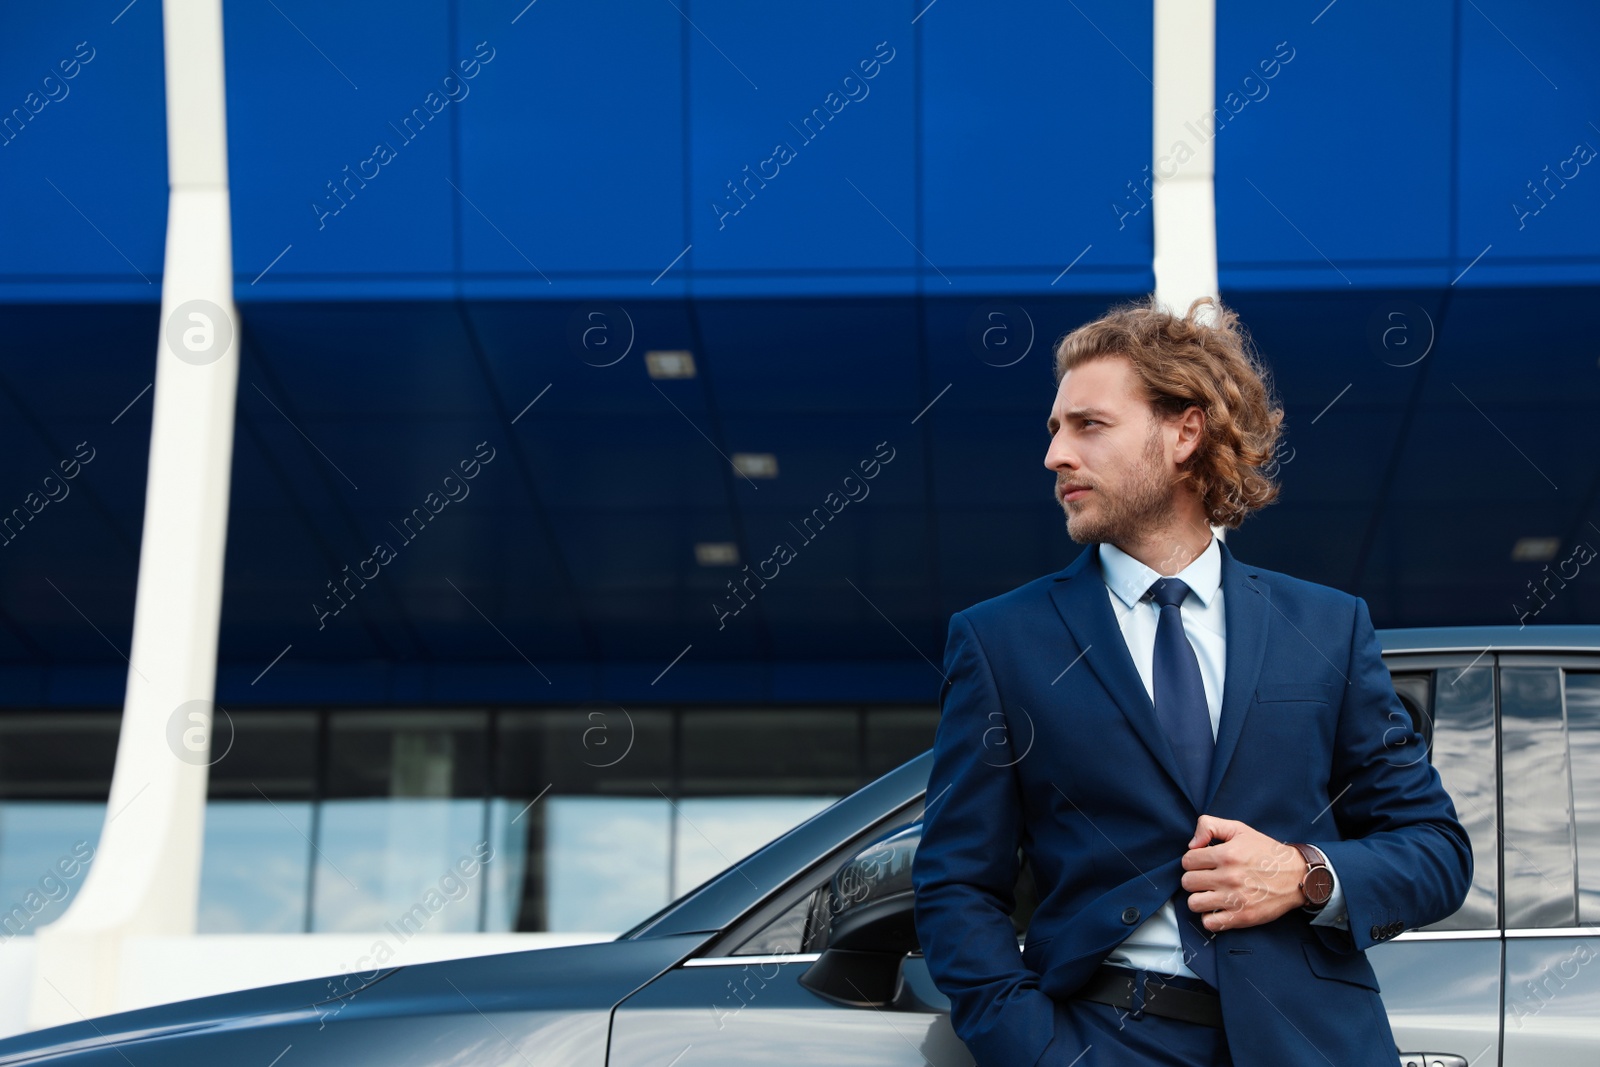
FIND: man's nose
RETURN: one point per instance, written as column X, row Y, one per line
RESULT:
column 1059, row 456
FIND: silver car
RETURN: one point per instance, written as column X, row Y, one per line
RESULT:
column 805, row 951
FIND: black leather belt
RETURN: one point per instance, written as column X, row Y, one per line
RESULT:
column 1170, row 998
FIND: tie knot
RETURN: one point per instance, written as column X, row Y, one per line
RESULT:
column 1168, row 592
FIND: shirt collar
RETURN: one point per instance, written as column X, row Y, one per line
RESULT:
column 1130, row 580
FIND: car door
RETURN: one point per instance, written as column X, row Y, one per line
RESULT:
column 1550, row 713
column 765, row 993
column 1441, row 984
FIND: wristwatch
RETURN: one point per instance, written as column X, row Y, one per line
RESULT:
column 1317, row 884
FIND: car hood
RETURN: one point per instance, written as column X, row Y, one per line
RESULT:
column 514, row 993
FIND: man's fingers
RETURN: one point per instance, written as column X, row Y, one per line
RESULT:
column 1211, row 900
column 1210, row 828
column 1216, row 912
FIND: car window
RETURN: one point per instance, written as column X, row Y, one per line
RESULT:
column 784, row 935
column 1540, row 849
column 794, row 919
column 803, row 927
column 1583, row 737
column 1415, row 690
column 1456, row 703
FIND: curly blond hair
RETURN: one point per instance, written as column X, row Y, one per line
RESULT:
column 1188, row 362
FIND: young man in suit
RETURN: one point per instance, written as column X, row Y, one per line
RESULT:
column 1204, row 762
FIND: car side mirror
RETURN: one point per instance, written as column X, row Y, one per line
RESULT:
column 867, row 924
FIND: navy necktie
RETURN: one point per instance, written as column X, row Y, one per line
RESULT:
column 1180, row 700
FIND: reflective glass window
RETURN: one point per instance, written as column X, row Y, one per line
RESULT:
column 55, row 775
column 1460, row 709
column 1539, row 853
column 1583, row 735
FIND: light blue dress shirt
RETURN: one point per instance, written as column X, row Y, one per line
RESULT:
column 1154, row 944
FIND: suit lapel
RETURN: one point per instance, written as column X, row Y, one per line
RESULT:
column 1247, row 608
column 1084, row 603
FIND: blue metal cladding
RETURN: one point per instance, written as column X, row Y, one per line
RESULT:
column 83, row 161
column 1334, row 145
column 500, row 150
column 803, row 144
column 627, row 149
column 1529, row 161
column 436, row 207
column 1036, row 131
column 83, row 174
column 75, row 406
column 1415, row 145
column 341, row 145
column 572, row 145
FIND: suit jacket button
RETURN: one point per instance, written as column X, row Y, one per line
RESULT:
column 1377, row 932
column 1130, row 916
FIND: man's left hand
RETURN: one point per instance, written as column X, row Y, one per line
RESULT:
column 1239, row 876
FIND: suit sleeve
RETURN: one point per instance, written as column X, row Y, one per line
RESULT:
column 1404, row 860
column 965, row 869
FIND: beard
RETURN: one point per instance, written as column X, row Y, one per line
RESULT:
column 1123, row 513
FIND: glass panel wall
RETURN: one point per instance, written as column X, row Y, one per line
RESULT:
column 256, row 865
column 402, row 831
column 562, row 819
column 606, row 861
column 572, row 819
column 55, row 775
column 589, row 829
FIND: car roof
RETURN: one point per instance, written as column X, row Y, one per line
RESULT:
column 1481, row 638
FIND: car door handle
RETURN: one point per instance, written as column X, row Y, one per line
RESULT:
column 1431, row 1059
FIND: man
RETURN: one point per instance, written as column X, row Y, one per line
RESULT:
column 1199, row 758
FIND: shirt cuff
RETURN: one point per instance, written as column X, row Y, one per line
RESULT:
column 1333, row 913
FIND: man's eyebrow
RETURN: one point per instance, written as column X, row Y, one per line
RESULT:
column 1078, row 413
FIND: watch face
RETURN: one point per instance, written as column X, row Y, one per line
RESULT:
column 1319, row 885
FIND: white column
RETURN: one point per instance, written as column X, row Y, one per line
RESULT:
column 1183, row 157
column 1183, row 160
column 145, row 875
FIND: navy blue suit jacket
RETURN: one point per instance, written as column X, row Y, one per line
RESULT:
column 1049, row 741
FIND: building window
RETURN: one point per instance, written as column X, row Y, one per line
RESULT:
column 574, row 820
column 256, row 861
column 55, row 775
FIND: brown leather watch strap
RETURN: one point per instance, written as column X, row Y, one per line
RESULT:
column 1311, row 883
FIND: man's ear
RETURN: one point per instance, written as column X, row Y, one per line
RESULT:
column 1191, row 428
